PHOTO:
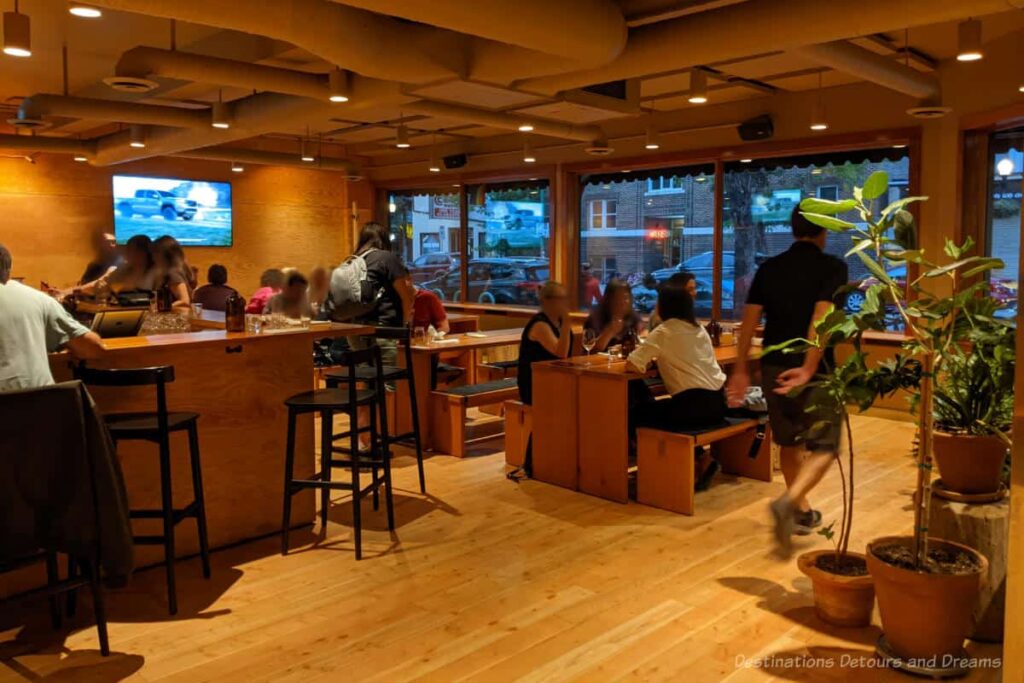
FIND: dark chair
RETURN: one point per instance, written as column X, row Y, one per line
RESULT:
column 363, row 366
column 390, row 373
column 156, row 427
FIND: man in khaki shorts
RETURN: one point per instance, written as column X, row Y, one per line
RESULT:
column 792, row 291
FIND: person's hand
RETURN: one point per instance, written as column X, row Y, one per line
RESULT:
column 792, row 379
column 616, row 326
column 736, row 390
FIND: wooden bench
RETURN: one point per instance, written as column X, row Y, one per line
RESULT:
column 666, row 461
column 518, row 427
column 449, row 406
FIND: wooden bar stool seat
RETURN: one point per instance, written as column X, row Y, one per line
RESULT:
column 146, row 425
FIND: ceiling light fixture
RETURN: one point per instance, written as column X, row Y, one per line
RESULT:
column 818, row 110
column 745, row 161
column 17, row 33
column 899, row 146
column 137, row 137
column 339, row 86
column 81, row 158
column 83, row 11
column 651, row 138
column 237, row 167
column 434, row 167
column 525, row 127
column 402, row 137
column 969, row 41
column 219, row 117
column 1020, row 89
column 698, row 86
column 528, row 156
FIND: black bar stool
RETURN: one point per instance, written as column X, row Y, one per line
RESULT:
column 390, row 373
column 348, row 401
column 156, row 427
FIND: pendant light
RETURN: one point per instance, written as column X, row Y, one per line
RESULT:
column 81, row 158
column 17, row 33
column 650, row 136
column 818, row 121
column 434, row 167
column 84, row 11
column 525, row 127
column 698, row 86
column 219, row 113
column 402, row 137
column 969, row 41
column 137, row 137
column 339, row 86
column 237, row 167
column 528, row 156
column 304, row 153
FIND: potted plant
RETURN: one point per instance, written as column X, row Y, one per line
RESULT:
column 926, row 587
column 973, row 413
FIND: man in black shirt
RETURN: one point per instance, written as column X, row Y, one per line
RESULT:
column 793, row 291
column 106, row 258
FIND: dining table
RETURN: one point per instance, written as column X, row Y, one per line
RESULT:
column 580, row 422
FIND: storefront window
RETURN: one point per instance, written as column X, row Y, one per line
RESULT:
column 1004, row 213
column 425, row 231
column 644, row 227
column 759, row 198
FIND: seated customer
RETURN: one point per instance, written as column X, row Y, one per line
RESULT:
column 177, row 275
column 687, row 364
column 138, row 273
column 689, row 281
column 319, row 286
column 547, row 336
column 292, row 300
column 214, row 295
column 271, row 282
column 428, row 310
column 106, row 257
column 613, row 319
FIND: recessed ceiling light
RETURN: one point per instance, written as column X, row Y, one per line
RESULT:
column 81, row 158
column 745, row 161
column 84, row 11
column 1020, row 89
column 525, row 127
column 969, row 41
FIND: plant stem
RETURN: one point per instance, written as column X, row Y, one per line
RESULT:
column 922, row 506
column 845, row 540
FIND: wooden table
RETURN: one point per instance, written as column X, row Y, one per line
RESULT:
column 580, row 423
column 422, row 364
column 237, row 382
column 463, row 322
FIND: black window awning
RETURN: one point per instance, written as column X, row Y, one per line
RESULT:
column 693, row 171
column 820, row 160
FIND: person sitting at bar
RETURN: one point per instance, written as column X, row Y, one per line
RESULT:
column 138, row 273
column 214, row 295
column 271, row 282
column 106, row 257
column 689, row 281
column 428, row 310
column 547, row 336
column 319, row 286
column 292, row 301
column 613, row 319
column 176, row 274
column 686, row 361
column 32, row 324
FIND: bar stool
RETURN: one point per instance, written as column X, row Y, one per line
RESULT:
column 348, row 401
column 156, row 427
column 390, row 373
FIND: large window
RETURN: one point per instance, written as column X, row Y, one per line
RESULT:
column 1004, row 212
column 506, row 242
column 645, row 226
column 759, row 198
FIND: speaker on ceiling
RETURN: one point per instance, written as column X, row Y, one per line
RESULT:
column 757, row 128
column 455, row 161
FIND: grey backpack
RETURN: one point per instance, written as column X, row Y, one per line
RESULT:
column 351, row 294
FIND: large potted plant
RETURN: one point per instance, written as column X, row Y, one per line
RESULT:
column 973, row 413
column 926, row 587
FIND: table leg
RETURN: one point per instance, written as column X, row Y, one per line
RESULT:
column 555, row 438
column 604, row 437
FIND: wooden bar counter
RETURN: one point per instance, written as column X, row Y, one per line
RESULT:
column 237, row 382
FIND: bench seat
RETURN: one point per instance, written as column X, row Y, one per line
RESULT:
column 449, row 406
column 666, row 460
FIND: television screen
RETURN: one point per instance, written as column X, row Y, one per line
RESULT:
column 197, row 213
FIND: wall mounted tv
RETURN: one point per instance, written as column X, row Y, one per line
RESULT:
column 197, row 213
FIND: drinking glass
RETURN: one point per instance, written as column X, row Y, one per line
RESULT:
column 589, row 341
column 197, row 310
column 419, row 336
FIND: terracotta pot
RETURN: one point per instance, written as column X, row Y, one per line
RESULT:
column 925, row 615
column 839, row 600
column 969, row 464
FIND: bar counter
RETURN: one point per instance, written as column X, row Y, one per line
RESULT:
column 237, row 382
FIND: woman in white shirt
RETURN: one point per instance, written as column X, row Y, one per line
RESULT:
column 686, row 362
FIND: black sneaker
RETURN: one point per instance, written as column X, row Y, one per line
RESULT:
column 704, row 482
column 805, row 522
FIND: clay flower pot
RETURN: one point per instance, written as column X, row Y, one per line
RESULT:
column 925, row 616
column 839, row 600
column 969, row 464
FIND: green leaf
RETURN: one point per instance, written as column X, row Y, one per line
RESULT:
column 858, row 194
column 861, row 246
column 977, row 263
column 829, row 222
column 876, row 185
column 899, row 204
column 875, row 268
column 827, row 206
column 986, row 265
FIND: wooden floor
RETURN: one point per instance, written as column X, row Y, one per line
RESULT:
column 493, row 581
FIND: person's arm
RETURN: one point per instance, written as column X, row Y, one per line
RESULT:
column 797, row 377
column 555, row 345
column 610, row 331
column 407, row 294
column 646, row 353
column 88, row 346
column 739, row 378
column 440, row 316
column 182, row 300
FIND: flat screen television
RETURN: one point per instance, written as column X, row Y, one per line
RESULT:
column 197, row 213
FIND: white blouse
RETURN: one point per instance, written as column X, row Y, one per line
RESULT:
column 685, row 357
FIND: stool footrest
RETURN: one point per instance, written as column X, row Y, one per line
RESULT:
column 177, row 515
column 298, row 484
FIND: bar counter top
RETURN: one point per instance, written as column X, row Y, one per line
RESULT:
column 213, row 337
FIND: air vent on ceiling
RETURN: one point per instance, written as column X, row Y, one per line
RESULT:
column 599, row 148
column 929, row 111
column 131, row 84
column 616, row 89
column 26, row 123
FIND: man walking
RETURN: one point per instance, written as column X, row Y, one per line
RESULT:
column 793, row 291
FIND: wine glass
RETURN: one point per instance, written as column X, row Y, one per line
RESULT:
column 589, row 341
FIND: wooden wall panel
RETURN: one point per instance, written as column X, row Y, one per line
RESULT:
column 282, row 216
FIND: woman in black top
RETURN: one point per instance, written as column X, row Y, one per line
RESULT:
column 176, row 273
column 547, row 336
column 614, row 319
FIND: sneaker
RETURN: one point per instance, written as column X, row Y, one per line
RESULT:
column 804, row 523
column 704, row 482
column 782, row 511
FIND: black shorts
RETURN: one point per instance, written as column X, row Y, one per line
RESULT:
column 806, row 419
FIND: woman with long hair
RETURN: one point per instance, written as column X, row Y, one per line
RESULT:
column 614, row 318
column 176, row 273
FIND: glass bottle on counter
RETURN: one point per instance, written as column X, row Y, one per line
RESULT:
column 629, row 343
column 164, row 298
column 234, row 313
column 714, row 331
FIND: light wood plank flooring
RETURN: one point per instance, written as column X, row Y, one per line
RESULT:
column 488, row 580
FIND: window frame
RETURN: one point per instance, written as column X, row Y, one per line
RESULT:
column 605, row 213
